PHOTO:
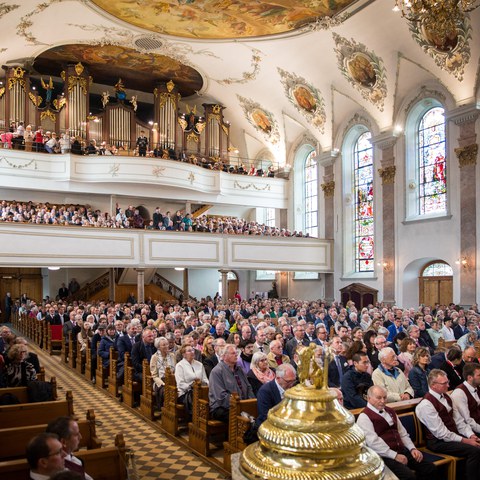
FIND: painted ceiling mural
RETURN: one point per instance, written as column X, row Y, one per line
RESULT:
column 262, row 120
column 139, row 71
column 222, row 19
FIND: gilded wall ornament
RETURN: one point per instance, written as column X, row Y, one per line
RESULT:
column 157, row 171
column 324, row 23
column 248, row 186
column 20, row 166
column 262, row 120
column 191, row 178
column 72, row 81
column 4, row 8
column 48, row 114
column 170, row 86
column 79, row 68
column 2, row 91
column 35, row 99
column 363, row 69
column 328, row 188
column 387, row 174
column 467, row 155
column 59, row 103
column 305, row 98
column 114, row 169
column 451, row 53
column 246, row 76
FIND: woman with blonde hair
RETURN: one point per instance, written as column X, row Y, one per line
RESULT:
column 18, row 371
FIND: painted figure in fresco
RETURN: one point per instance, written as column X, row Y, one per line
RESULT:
column 304, row 98
column 362, row 71
column 261, row 120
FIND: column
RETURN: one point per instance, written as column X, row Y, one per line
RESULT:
column 188, row 207
column 386, row 143
column 186, row 293
column 327, row 161
column 140, row 285
column 111, row 284
column 224, row 285
column 467, row 151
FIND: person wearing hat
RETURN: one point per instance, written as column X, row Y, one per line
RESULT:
column 107, row 341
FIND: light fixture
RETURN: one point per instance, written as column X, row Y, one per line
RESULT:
column 54, row 269
column 179, row 269
column 384, row 265
column 438, row 19
column 463, row 262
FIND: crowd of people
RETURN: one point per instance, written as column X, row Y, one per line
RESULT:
column 379, row 355
column 86, row 216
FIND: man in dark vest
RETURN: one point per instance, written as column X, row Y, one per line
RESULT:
column 445, row 429
column 385, row 434
column 466, row 397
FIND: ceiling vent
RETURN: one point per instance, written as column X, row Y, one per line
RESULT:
column 148, row 43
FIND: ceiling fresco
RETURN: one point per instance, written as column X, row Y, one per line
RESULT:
column 139, row 71
column 221, row 19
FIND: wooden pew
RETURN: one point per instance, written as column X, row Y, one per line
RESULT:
column 15, row 439
column 173, row 413
column 404, row 406
column 72, row 351
column 41, row 374
column 55, row 339
column 22, row 392
column 80, row 364
column 88, row 363
column 202, row 428
column 106, row 463
column 25, row 414
column 65, row 349
column 147, row 402
column 131, row 388
column 113, row 383
column 445, row 345
column 102, row 372
column 237, row 426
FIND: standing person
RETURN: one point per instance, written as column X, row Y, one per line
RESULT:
column 29, row 136
column 65, row 142
column 8, row 306
column 142, row 144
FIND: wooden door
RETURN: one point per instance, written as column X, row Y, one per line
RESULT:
column 436, row 290
column 232, row 287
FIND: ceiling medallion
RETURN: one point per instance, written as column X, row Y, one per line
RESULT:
column 305, row 98
column 262, row 120
column 363, row 69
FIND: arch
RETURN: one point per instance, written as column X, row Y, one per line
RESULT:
column 436, row 268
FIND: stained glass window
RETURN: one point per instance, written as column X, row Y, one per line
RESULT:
column 432, row 163
column 363, row 191
column 438, row 270
column 311, row 196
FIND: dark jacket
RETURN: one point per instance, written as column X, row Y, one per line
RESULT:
column 268, row 396
column 334, row 374
column 418, row 379
column 354, row 388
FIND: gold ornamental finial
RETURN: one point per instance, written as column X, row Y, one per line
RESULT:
column 79, row 68
column 309, row 435
column 170, row 86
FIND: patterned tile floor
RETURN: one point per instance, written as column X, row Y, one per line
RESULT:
column 156, row 457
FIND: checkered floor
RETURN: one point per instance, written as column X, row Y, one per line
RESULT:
column 155, row 456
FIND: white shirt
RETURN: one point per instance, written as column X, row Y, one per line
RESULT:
column 460, row 404
column 186, row 373
column 375, row 442
column 428, row 415
column 448, row 334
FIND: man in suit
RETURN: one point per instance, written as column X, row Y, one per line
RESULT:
column 45, row 456
column 271, row 393
column 142, row 144
column 52, row 317
column 211, row 361
column 72, row 326
column 63, row 292
column 385, row 434
column 460, row 329
column 298, row 339
column 141, row 350
column 448, row 361
column 338, row 366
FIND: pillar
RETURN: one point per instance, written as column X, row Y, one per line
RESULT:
column 111, row 284
column 140, row 285
column 224, row 285
column 186, row 293
column 386, row 143
column 188, row 207
column 327, row 161
column 467, row 151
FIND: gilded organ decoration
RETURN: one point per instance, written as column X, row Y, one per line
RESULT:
column 18, row 77
column 262, row 120
column 306, row 98
column 220, row 19
column 192, row 123
column 363, row 69
column 451, row 53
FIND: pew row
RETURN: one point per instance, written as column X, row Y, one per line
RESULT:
column 22, row 392
column 173, row 413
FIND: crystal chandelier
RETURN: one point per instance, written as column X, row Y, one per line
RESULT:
column 438, row 18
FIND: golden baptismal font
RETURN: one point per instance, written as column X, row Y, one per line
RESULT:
column 309, row 435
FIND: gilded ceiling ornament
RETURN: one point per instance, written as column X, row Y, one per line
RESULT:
column 246, row 76
column 26, row 22
column 387, row 174
column 324, row 23
column 328, row 188
column 451, row 53
column 261, row 119
column 79, row 68
column 305, row 98
column 467, row 155
column 170, row 86
column 48, row 114
column 363, row 69
column 4, row 8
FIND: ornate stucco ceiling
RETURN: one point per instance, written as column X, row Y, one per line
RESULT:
column 221, row 19
column 307, row 83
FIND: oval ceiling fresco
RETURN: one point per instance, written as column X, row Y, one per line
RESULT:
column 221, row 19
column 139, row 71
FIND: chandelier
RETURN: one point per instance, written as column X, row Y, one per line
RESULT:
column 437, row 18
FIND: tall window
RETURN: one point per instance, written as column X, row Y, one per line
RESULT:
column 270, row 217
column 363, row 195
column 432, row 179
column 311, row 196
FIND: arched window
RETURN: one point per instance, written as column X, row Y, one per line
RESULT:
column 311, row 195
column 358, row 211
column 439, row 269
column 426, row 165
column 432, row 163
column 363, row 198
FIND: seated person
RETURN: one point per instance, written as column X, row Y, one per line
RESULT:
column 260, row 373
column 356, row 381
column 45, row 456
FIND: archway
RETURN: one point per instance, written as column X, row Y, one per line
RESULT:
column 232, row 285
column 436, row 283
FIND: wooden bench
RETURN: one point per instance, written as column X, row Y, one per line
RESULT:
column 102, row 372
column 237, row 426
column 22, row 392
column 113, row 383
column 72, row 350
column 25, row 414
column 65, row 349
column 80, row 364
column 106, row 463
column 147, row 401
column 15, row 439
column 173, row 413
column 88, row 363
column 404, row 406
column 445, row 345
column 131, row 388
column 202, row 428
column 55, row 339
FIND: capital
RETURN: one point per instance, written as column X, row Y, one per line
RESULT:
column 328, row 188
column 467, row 155
column 387, row 174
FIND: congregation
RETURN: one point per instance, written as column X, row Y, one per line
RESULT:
column 253, row 348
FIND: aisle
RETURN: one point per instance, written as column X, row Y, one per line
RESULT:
column 156, row 457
